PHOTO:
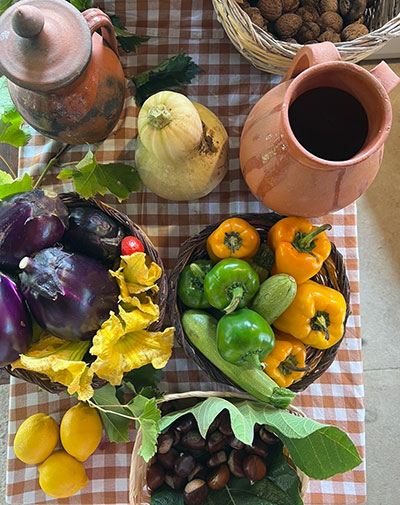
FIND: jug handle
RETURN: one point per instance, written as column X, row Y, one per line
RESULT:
column 385, row 75
column 311, row 55
column 96, row 19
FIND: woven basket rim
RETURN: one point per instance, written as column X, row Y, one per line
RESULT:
column 335, row 276
column 272, row 55
column 138, row 491
column 72, row 199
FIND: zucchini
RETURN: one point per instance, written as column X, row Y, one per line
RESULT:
column 274, row 296
column 201, row 330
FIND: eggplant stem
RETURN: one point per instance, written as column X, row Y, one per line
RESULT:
column 8, row 166
column 50, row 163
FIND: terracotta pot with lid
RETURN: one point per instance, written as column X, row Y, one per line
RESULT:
column 65, row 79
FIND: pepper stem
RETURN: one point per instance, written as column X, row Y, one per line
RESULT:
column 321, row 322
column 159, row 116
column 252, row 361
column 304, row 243
column 197, row 271
column 237, row 295
column 233, row 241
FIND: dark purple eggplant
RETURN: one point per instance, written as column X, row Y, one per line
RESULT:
column 29, row 222
column 93, row 233
column 69, row 295
column 15, row 322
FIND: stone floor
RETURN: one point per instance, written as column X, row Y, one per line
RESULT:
column 379, row 241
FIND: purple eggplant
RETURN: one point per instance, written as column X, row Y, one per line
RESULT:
column 15, row 322
column 29, row 222
column 93, row 233
column 69, row 295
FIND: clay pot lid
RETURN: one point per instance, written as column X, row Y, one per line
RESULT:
column 44, row 44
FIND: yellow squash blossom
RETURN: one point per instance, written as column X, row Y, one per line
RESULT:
column 61, row 361
column 137, row 274
column 121, row 346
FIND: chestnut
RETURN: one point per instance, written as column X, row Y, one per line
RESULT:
column 174, row 481
column 168, row 459
column 216, row 441
column 236, row 444
column 177, row 438
column 258, row 447
column 254, row 468
column 185, row 423
column 213, row 426
column 217, row 459
column 193, row 440
column 184, row 464
column 225, row 423
column 199, row 472
column 235, row 462
column 195, row 492
column 165, row 441
column 219, row 477
column 155, row 476
column 267, row 436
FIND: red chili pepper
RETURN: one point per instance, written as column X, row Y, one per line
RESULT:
column 130, row 245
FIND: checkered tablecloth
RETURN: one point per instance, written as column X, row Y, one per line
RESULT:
column 229, row 86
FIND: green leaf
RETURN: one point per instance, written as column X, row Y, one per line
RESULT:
column 128, row 41
column 90, row 178
column 116, row 427
column 82, row 5
column 172, row 73
column 166, row 496
column 144, row 377
column 148, row 414
column 319, row 450
column 4, row 5
column 15, row 186
column 10, row 120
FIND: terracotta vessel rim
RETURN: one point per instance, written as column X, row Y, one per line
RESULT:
column 342, row 66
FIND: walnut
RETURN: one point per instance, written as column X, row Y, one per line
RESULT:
column 352, row 9
column 288, row 25
column 245, row 5
column 311, row 3
column 290, row 5
column 308, row 14
column 291, row 40
column 311, row 42
column 328, row 6
column 353, row 31
column 329, row 36
column 331, row 20
column 255, row 16
column 360, row 20
column 270, row 9
column 308, row 31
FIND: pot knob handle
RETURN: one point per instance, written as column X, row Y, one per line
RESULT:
column 27, row 21
column 313, row 54
column 385, row 75
column 96, row 19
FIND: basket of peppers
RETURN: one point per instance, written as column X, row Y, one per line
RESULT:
column 261, row 303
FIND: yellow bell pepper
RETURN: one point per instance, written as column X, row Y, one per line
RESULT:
column 300, row 248
column 234, row 238
column 316, row 315
column 286, row 363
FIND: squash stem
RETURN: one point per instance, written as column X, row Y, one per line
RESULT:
column 159, row 116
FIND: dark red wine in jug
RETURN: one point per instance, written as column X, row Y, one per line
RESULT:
column 329, row 122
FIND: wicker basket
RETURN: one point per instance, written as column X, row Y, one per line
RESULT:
column 332, row 274
column 140, row 494
column 272, row 55
column 72, row 200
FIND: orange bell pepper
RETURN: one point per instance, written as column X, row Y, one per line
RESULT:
column 300, row 248
column 234, row 238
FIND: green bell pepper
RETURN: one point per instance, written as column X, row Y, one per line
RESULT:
column 244, row 338
column 231, row 284
column 191, row 284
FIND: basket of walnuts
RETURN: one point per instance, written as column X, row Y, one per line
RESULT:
column 268, row 33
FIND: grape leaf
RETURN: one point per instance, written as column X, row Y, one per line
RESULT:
column 143, row 378
column 116, row 427
column 319, row 450
column 91, row 177
column 10, row 120
column 148, row 417
column 9, row 186
column 172, row 73
column 4, row 5
column 128, row 41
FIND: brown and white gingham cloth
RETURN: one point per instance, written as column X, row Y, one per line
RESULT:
column 229, row 86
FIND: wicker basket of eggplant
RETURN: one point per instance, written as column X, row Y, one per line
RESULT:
column 55, row 257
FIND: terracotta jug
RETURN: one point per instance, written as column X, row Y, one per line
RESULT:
column 314, row 143
column 65, row 80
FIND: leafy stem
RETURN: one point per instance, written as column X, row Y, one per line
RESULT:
column 50, row 163
column 106, row 411
column 8, row 166
column 230, row 495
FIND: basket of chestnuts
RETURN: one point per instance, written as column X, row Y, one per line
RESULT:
column 202, row 454
column 269, row 33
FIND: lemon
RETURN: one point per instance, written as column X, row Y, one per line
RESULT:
column 61, row 476
column 36, row 439
column 80, row 431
